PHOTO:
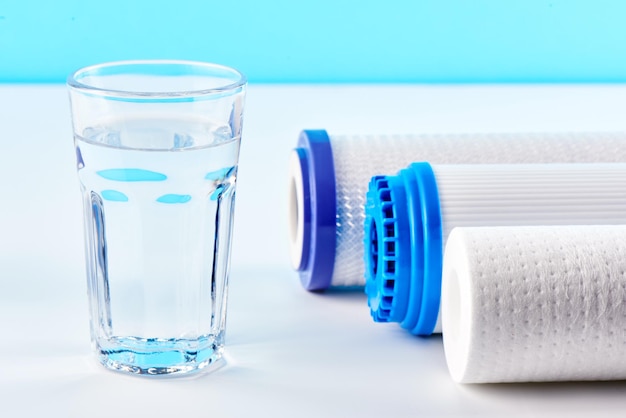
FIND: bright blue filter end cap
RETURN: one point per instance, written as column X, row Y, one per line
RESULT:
column 387, row 249
column 403, row 249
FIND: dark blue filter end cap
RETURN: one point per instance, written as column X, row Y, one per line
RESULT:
column 313, row 210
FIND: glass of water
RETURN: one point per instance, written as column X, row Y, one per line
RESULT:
column 157, row 147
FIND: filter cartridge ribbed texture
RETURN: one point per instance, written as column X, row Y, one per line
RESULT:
column 358, row 158
column 531, row 194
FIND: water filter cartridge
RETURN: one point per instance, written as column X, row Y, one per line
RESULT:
column 410, row 215
column 523, row 304
column 329, row 177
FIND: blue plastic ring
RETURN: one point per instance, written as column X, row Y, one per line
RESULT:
column 405, row 284
column 318, row 174
column 431, row 222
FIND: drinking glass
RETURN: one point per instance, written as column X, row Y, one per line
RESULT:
column 157, row 147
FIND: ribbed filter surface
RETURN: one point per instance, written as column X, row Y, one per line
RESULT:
column 535, row 303
column 531, row 194
column 358, row 158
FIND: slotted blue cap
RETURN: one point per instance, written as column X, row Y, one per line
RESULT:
column 404, row 249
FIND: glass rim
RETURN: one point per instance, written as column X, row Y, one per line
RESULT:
column 73, row 80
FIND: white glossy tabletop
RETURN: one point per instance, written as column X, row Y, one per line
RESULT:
column 290, row 353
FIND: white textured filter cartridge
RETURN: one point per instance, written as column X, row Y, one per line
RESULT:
column 330, row 176
column 410, row 216
column 523, row 304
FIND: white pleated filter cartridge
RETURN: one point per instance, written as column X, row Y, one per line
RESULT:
column 409, row 217
column 329, row 178
column 524, row 304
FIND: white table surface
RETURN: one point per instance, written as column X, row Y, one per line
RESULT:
column 290, row 353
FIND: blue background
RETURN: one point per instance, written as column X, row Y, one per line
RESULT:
column 455, row 41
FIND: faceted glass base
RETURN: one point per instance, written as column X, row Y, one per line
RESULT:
column 158, row 357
